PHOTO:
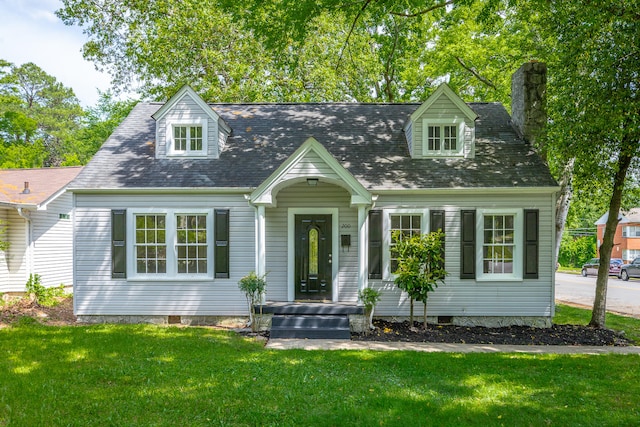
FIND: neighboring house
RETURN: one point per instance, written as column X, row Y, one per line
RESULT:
column 36, row 211
column 186, row 197
column 626, row 241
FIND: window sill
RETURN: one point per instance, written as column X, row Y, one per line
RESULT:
column 171, row 279
column 499, row 278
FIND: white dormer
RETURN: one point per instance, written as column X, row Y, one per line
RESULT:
column 186, row 127
column 443, row 126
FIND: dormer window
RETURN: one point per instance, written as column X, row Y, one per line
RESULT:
column 442, row 137
column 187, row 139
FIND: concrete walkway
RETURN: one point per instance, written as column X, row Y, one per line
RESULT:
column 307, row 344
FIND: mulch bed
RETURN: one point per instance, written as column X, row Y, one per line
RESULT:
column 62, row 314
column 514, row 335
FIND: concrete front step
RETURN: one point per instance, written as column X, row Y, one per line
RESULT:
column 310, row 308
column 310, row 326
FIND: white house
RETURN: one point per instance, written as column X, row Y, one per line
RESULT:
column 187, row 197
column 36, row 215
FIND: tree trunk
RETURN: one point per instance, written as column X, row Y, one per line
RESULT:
column 424, row 320
column 411, row 312
column 598, row 315
column 563, row 202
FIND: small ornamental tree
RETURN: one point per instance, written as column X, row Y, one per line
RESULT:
column 420, row 266
column 254, row 287
column 369, row 298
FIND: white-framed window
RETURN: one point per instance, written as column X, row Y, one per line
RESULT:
column 187, row 138
column 171, row 244
column 410, row 222
column 499, row 244
column 442, row 137
column 631, row 231
column 629, row 255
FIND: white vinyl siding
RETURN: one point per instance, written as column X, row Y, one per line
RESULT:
column 467, row 297
column 441, row 113
column 187, row 113
column 96, row 293
column 40, row 246
column 53, row 242
column 17, row 257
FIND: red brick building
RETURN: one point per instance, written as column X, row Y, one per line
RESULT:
column 626, row 243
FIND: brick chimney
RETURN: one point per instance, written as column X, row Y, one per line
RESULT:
column 529, row 100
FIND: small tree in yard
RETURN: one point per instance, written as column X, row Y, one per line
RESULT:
column 254, row 287
column 420, row 266
column 369, row 298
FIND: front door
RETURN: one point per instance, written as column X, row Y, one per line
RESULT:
column 313, row 257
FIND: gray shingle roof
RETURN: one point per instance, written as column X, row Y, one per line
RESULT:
column 366, row 139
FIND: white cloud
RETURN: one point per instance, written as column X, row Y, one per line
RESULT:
column 30, row 32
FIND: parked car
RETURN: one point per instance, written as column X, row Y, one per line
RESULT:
column 630, row 270
column 614, row 266
column 592, row 267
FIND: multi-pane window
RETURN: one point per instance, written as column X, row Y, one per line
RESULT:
column 187, row 138
column 409, row 225
column 151, row 244
column 631, row 231
column 172, row 243
column 191, row 244
column 498, row 244
column 442, row 138
column 630, row 254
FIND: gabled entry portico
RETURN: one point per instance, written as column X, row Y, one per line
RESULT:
column 314, row 225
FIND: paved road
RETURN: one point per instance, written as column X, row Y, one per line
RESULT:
column 622, row 297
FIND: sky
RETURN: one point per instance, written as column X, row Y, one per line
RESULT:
column 31, row 32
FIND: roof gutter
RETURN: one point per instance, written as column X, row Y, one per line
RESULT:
column 24, row 213
column 470, row 190
column 168, row 190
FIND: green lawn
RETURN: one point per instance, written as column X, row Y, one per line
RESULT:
column 149, row 375
column 578, row 316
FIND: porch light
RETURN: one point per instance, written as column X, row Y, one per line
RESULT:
column 313, row 182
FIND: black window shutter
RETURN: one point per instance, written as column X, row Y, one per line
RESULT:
column 531, row 233
column 221, row 237
column 468, row 245
column 118, row 244
column 375, row 244
column 436, row 222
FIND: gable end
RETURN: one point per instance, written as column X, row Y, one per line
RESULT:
column 187, row 127
column 443, row 126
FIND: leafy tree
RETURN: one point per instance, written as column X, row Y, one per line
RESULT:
column 254, row 288
column 279, row 50
column 420, row 266
column 595, row 125
column 38, row 117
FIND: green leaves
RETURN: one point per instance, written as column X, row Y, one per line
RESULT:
column 420, row 263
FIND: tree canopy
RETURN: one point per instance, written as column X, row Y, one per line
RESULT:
column 42, row 123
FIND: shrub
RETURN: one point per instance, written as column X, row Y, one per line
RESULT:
column 254, row 287
column 369, row 298
column 47, row 297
